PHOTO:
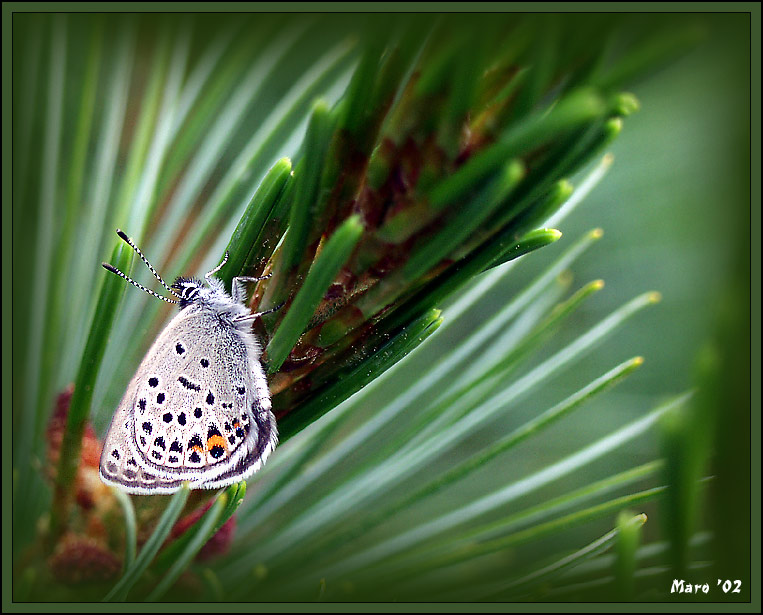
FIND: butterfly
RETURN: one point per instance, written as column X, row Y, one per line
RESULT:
column 198, row 408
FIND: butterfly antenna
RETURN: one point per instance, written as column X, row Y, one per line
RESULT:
column 113, row 269
column 131, row 243
column 216, row 269
column 134, row 283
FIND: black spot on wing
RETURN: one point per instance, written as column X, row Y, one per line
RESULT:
column 188, row 384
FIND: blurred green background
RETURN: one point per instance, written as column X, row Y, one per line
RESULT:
column 675, row 212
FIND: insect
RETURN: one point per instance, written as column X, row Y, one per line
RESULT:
column 198, row 408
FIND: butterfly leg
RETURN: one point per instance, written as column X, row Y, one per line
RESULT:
column 258, row 314
column 238, row 290
column 270, row 311
column 209, row 274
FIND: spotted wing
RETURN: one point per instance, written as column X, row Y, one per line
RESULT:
column 257, row 453
column 197, row 410
column 119, row 466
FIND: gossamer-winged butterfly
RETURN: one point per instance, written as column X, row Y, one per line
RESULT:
column 198, row 408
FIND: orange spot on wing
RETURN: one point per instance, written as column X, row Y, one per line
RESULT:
column 215, row 440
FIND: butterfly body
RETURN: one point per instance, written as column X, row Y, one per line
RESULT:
column 198, row 408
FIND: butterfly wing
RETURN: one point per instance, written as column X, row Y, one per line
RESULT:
column 257, row 452
column 198, row 410
column 119, row 466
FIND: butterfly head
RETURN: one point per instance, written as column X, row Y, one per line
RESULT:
column 187, row 290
